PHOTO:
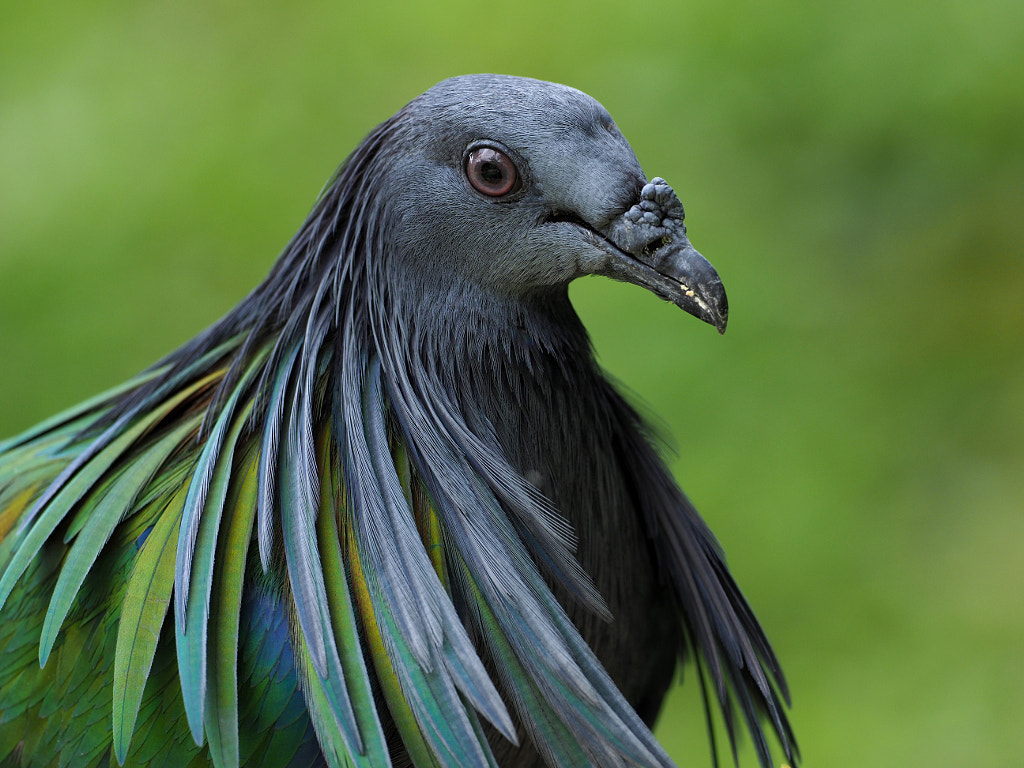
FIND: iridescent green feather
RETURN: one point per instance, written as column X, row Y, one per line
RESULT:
column 332, row 741
column 142, row 615
column 340, row 603
column 192, row 646
column 104, row 516
column 327, row 693
column 221, row 713
column 57, row 509
column 398, row 705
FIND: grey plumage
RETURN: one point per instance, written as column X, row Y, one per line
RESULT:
column 437, row 461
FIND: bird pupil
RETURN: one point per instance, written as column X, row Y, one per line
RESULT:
column 491, row 173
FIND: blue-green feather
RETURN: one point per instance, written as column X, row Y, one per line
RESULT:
column 408, row 586
column 98, row 525
column 327, row 689
column 199, row 486
column 192, row 645
column 221, row 710
column 270, row 452
column 77, row 486
column 344, row 623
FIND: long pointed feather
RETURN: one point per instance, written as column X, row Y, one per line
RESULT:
column 102, row 520
column 222, row 692
column 302, row 556
column 192, row 646
column 339, row 601
column 202, row 477
column 721, row 629
column 424, row 704
column 398, row 706
column 78, row 411
column 42, row 458
column 332, row 740
column 53, row 513
column 145, row 606
column 269, row 453
column 550, row 535
column 392, row 526
column 305, row 569
column 541, row 635
column 546, row 730
column 421, row 682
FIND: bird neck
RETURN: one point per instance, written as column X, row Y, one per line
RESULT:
column 475, row 330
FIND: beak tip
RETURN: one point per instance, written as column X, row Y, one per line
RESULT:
column 722, row 314
column 711, row 305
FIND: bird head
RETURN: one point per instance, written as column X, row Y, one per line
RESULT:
column 521, row 186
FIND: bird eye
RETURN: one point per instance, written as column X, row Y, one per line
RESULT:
column 491, row 172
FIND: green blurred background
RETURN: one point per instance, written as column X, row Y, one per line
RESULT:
column 853, row 170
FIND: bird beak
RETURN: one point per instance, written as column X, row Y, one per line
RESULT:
column 648, row 247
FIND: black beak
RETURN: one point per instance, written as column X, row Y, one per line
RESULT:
column 649, row 248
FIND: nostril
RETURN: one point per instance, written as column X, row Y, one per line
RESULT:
column 654, row 245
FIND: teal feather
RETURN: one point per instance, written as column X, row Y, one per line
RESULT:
column 432, row 698
column 446, row 724
column 269, row 453
column 221, row 711
column 387, row 530
column 333, row 740
column 540, row 633
column 192, row 646
column 400, row 708
column 546, row 729
column 76, row 487
column 326, row 691
column 202, row 478
column 340, row 606
column 97, row 527
column 565, row 671
column 146, row 600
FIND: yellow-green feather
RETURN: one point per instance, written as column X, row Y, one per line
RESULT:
column 332, row 742
column 343, row 618
column 401, row 713
column 193, row 645
column 221, row 716
column 142, row 614
column 426, row 519
column 104, row 515
column 81, row 483
column 11, row 508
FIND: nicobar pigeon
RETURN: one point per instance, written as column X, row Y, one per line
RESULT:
column 388, row 510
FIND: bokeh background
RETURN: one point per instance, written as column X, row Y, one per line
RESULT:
column 854, row 171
